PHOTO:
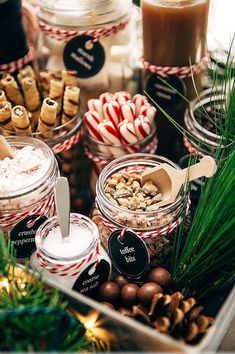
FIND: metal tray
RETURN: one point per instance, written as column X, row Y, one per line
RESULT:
column 130, row 335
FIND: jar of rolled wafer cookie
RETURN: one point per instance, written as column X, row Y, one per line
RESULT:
column 97, row 39
column 26, row 192
column 47, row 107
column 122, row 203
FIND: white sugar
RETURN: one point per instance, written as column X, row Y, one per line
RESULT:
column 28, row 166
column 80, row 238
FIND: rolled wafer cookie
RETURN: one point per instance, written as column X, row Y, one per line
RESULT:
column 12, row 90
column 20, row 120
column 70, row 77
column 56, row 92
column 45, row 77
column 32, row 99
column 70, row 103
column 47, row 116
column 5, row 115
column 2, row 96
column 27, row 71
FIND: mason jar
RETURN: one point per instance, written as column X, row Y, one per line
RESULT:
column 101, row 154
column 203, row 137
column 156, row 228
column 78, row 262
column 95, row 38
column 26, row 198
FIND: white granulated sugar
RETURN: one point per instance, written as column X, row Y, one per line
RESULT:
column 28, row 166
column 80, row 238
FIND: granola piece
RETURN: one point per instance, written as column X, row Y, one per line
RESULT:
column 124, row 202
column 136, row 186
column 122, row 193
column 121, row 185
column 150, row 188
column 157, row 198
column 112, row 182
column 111, row 199
column 152, row 207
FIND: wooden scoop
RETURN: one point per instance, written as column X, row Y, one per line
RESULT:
column 5, row 149
column 170, row 180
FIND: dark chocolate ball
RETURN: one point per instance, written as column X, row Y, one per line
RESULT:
column 129, row 294
column 147, row 291
column 124, row 311
column 120, row 280
column 160, row 276
column 109, row 292
column 107, row 304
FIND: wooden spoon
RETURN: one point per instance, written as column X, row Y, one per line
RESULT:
column 62, row 202
column 5, row 149
column 170, row 180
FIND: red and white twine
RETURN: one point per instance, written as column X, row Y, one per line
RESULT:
column 72, row 269
column 66, row 35
column 180, row 71
column 17, row 64
column 68, row 143
column 9, row 220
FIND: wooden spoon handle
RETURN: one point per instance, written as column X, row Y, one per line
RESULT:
column 5, row 149
column 205, row 168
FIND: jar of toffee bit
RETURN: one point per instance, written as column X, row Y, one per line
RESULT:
column 95, row 38
column 26, row 192
column 202, row 121
column 121, row 202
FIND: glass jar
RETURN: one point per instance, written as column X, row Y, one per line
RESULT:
column 177, row 24
column 203, row 138
column 79, row 262
column 101, row 154
column 23, row 207
column 104, row 63
column 156, row 228
column 66, row 142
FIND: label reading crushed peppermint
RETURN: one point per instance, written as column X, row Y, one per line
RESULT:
column 22, row 235
column 84, row 55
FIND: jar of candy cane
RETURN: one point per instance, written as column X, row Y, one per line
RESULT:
column 26, row 191
column 122, row 204
column 116, row 125
column 78, row 262
column 95, row 38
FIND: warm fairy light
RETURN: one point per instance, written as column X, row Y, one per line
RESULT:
column 4, row 284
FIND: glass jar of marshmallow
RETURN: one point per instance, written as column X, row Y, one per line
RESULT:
column 26, row 192
column 77, row 262
column 97, row 38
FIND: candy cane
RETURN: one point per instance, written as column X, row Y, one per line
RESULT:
column 92, row 120
column 139, row 101
column 96, row 105
column 149, row 111
column 128, row 111
column 112, row 112
column 142, row 126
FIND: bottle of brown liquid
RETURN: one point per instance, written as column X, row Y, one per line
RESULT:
column 174, row 35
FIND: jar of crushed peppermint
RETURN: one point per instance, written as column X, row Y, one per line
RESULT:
column 122, row 203
column 26, row 192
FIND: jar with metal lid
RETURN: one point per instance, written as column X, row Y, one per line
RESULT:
column 95, row 38
column 26, row 191
column 155, row 226
column 78, row 262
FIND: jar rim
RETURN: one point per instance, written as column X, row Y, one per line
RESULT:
column 54, row 222
column 100, row 195
column 19, row 141
column 176, row 3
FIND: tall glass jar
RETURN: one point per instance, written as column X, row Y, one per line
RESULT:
column 24, row 206
column 101, row 154
column 68, row 30
column 167, row 26
column 79, row 262
column 156, row 227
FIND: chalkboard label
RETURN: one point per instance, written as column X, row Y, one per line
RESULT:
column 84, row 55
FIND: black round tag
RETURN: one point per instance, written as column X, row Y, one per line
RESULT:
column 89, row 281
column 166, row 96
column 84, row 55
column 128, row 253
column 22, row 235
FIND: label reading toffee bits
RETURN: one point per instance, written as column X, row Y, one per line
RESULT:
column 22, row 235
column 84, row 55
column 128, row 253
column 165, row 91
column 91, row 278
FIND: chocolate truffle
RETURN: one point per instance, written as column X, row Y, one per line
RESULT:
column 124, row 311
column 120, row 280
column 147, row 291
column 107, row 304
column 109, row 292
column 129, row 294
column 160, row 276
